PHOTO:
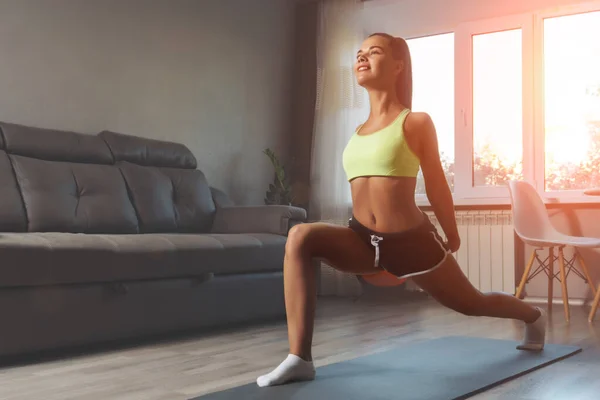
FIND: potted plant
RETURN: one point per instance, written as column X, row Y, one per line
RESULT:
column 280, row 191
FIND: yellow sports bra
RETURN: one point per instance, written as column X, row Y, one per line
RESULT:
column 382, row 153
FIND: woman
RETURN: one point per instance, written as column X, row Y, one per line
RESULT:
column 387, row 231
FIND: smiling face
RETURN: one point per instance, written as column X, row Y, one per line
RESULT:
column 377, row 63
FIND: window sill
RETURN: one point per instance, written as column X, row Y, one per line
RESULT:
column 504, row 203
column 462, row 204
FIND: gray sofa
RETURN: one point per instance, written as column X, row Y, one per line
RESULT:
column 110, row 236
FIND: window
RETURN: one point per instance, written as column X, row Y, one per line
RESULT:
column 433, row 92
column 497, row 108
column 492, row 94
column 571, row 67
column 528, row 104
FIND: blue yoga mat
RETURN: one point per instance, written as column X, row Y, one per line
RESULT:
column 454, row 367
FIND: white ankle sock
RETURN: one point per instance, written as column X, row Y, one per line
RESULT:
column 535, row 334
column 293, row 368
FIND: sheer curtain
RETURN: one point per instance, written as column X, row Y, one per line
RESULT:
column 340, row 107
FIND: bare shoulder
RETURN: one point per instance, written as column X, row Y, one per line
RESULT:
column 420, row 132
column 418, row 122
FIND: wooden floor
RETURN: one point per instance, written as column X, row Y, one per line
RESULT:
column 184, row 368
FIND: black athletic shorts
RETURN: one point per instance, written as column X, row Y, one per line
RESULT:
column 415, row 251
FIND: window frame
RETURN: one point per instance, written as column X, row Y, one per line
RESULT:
column 531, row 25
column 539, row 136
column 463, row 182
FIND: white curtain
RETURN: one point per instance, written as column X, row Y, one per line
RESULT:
column 340, row 107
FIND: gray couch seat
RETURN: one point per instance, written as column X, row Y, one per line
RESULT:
column 31, row 259
column 244, row 239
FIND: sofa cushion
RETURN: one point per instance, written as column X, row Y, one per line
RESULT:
column 250, row 252
column 169, row 199
column 148, row 152
column 12, row 212
column 73, row 197
column 55, row 145
column 31, row 259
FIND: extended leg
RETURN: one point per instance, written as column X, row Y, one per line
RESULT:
column 449, row 286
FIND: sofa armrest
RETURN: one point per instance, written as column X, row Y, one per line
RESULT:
column 277, row 219
column 220, row 198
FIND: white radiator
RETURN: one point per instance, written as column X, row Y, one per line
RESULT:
column 487, row 252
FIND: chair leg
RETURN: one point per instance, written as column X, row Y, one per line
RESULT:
column 525, row 275
column 586, row 272
column 563, row 282
column 595, row 305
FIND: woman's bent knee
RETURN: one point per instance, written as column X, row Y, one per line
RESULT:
column 298, row 238
column 336, row 245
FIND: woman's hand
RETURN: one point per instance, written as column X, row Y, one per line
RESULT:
column 453, row 243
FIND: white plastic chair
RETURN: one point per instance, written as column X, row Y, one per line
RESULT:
column 532, row 224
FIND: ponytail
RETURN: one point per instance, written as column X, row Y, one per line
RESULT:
column 404, row 83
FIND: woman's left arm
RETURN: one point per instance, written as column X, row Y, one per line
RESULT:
column 436, row 185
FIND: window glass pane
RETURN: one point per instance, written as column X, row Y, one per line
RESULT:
column 497, row 108
column 433, row 93
column 572, row 101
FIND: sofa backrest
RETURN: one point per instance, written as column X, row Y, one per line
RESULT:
column 12, row 212
column 71, row 182
column 68, row 181
column 168, row 192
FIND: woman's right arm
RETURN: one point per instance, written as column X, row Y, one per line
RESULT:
column 436, row 186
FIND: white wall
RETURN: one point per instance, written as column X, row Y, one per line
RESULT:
column 410, row 18
column 212, row 74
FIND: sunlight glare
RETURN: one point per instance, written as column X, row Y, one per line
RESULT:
column 572, row 88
